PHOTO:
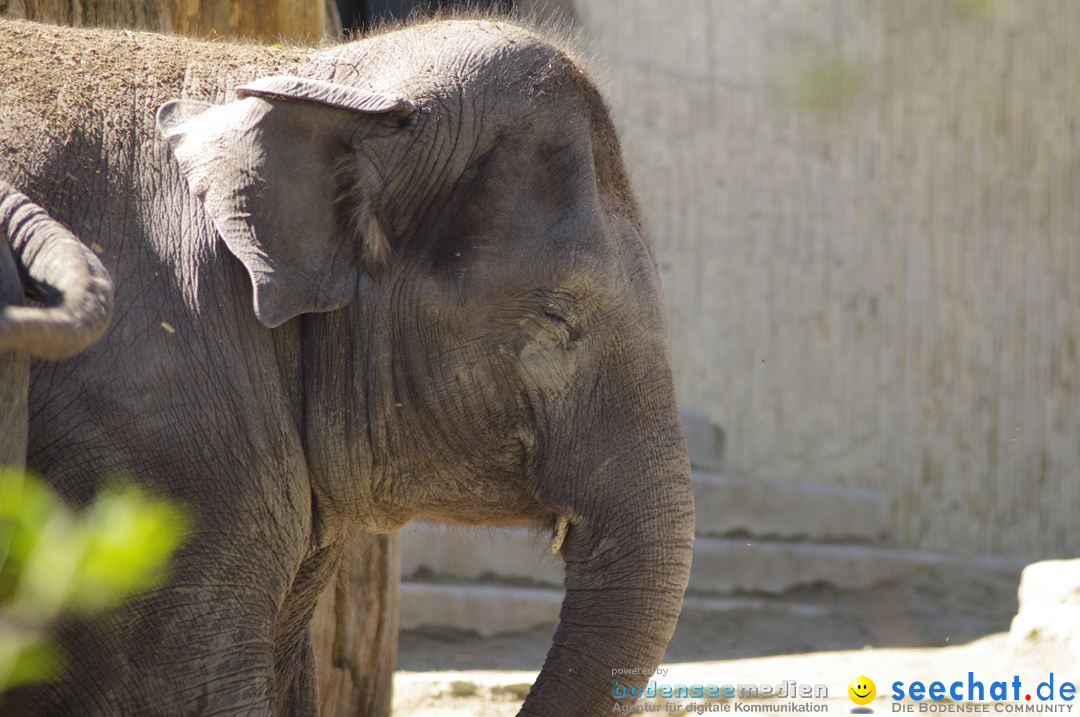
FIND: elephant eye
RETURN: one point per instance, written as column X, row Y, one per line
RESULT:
column 560, row 322
column 555, row 318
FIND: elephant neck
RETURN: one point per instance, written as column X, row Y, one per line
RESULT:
column 341, row 420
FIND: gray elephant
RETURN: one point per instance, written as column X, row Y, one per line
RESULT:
column 76, row 304
column 400, row 277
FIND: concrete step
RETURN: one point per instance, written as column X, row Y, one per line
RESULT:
column 725, row 565
column 729, row 505
column 497, row 609
column 484, row 609
column 721, row 565
column 478, row 554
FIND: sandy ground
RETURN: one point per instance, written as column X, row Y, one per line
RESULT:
column 493, row 693
column 929, row 627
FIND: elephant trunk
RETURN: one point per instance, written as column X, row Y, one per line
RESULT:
column 74, row 287
column 627, row 567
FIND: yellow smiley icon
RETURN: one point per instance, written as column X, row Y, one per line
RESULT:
column 862, row 690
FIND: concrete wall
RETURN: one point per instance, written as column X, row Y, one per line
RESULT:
column 868, row 216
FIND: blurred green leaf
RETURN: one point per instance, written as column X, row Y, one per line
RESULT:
column 26, row 506
column 28, row 658
column 44, row 577
column 130, row 538
column 55, row 561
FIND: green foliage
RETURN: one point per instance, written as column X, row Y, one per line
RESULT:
column 828, row 82
column 974, row 9
column 55, row 561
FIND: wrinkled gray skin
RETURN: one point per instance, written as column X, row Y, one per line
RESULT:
column 41, row 258
column 421, row 290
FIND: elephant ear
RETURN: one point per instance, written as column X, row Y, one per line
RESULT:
column 266, row 168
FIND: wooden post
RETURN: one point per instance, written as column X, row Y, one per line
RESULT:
column 354, row 630
column 304, row 21
column 132, row 14
column 301, row 21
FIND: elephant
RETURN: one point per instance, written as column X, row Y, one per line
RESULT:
column 400, row 277
column 76, row 294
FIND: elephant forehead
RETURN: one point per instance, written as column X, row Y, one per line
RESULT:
column 439, row 58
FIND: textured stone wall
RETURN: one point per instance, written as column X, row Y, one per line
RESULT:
column 867, row 215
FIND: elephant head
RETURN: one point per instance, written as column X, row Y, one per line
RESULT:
column 446, row 210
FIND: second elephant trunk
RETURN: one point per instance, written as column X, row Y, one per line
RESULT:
column 76, row 290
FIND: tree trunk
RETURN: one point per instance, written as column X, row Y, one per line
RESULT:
column 268, row 20
column 132, row 14
column 355, row 627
